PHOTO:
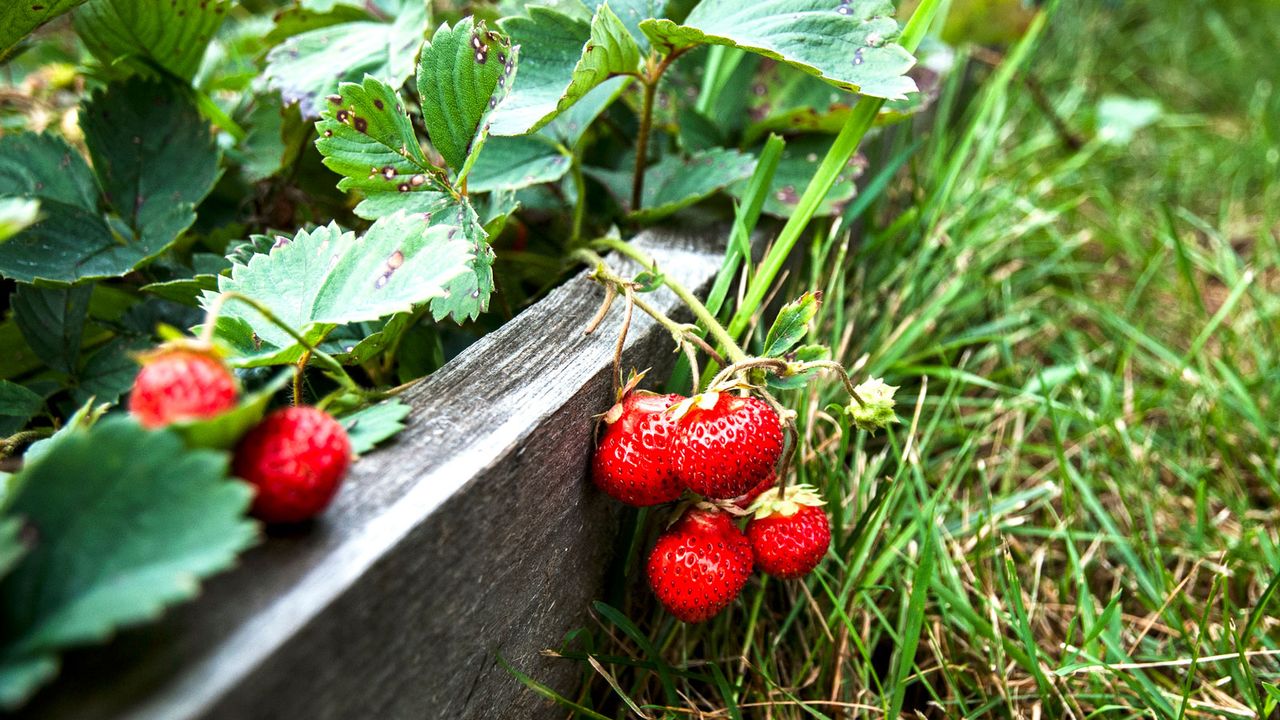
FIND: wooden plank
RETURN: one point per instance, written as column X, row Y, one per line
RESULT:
column 476, row 533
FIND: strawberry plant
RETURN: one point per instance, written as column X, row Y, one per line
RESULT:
column 211, row 210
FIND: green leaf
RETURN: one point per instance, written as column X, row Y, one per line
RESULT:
column 848, row 44
column 648, row 281
column 463, row 73
column 327, row 277
column 43, row 167
column 16, row 215
column 109, row 372
column 792, row 324
column 222, row 432
column 154, row 155
column 468, row 294
column 783, row 99
column 144, row 35
column 305, row 15
column 17, row 19
column 571, row 124
column 52, row 322
column 561, row 59
column 511, row 163
column 126, row 522
column 17, row 406
column 307, row 67
column 677, row 182
column 19, row 677
column 360, row 342
column 156, row 159
column 70, row 226
column 374, row 424
column 366, row 137
column 800, row 160
column 631, row 13
column 12, row 548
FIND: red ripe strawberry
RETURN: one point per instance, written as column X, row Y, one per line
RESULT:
column 699, row 565
column 296, row 457
column 789, row 535
column 633, row 462
column 178, row 384
column 727, row 445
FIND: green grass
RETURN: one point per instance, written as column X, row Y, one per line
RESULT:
column 1076, row 517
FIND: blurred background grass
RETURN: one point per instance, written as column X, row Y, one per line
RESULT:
column 1073, row 277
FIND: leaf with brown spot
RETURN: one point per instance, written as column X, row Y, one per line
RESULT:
column 463, row 73
column 18, row 18
column 327, row 277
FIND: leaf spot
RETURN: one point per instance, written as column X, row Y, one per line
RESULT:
column 404, row 187
column 360, row 124
column 335, row 99
column 378, row 104
column 389, row 172
column 416, row 181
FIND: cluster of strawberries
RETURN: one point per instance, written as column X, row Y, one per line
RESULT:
column 724, row 448
column 295, row 457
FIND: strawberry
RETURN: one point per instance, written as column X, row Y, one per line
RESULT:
column 789, row 535
column 727, row 444
column 765, row 485
column 179, row 383
column 296, row 458
column 699, row 565
column 633, row 462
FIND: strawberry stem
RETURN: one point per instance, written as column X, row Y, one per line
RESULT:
column 747, row 364
column 684, row 335
column 840, row 371
column 700, row 311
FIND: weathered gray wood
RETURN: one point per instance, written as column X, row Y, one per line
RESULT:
column 474, row 534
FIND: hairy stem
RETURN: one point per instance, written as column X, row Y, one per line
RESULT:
column 700, row 311
column 324, row 358
column 613, row 282
column 642, row 144
column 13, row 442
column 840, row 371
column 654, row 70
column 579, row 207
column 747, row 364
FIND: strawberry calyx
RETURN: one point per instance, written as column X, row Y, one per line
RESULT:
column 786, row 503
column 701, row 401
column 189, row 345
